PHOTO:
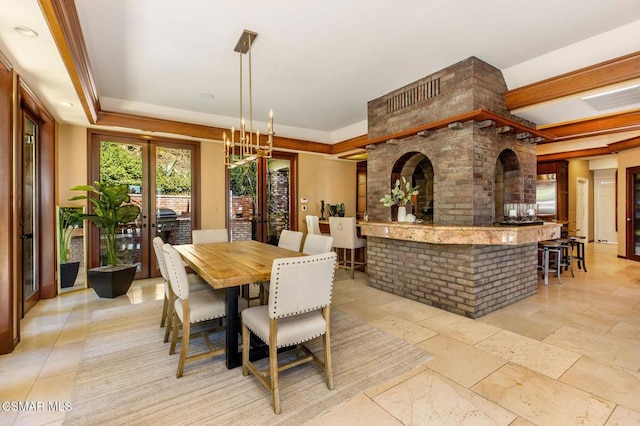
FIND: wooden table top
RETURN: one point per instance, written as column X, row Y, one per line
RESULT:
column 234, row 263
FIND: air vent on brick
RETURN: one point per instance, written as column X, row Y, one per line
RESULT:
column 413, row 96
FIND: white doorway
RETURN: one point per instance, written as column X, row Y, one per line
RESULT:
column 582, row 207
column 605, row 207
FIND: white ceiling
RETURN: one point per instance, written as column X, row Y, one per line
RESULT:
column 315, row 64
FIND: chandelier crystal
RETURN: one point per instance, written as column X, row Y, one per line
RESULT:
column 249, row 146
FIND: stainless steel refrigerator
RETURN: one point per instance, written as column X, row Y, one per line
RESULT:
column 546, row 188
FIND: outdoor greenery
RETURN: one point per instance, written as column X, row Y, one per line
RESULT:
column 122, row 163
column 242, row 179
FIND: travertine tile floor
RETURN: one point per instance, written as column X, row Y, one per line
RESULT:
column 568, row 355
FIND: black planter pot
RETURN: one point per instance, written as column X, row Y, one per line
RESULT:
column 111, row 281
column 68, row 274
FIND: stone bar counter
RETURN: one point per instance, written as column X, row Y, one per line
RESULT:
column 475, row 235
column 468, row 270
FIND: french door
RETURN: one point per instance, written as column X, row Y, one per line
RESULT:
column 262, row 198
column 161, row 175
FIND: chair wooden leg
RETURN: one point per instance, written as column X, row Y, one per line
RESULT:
column 273, row 372
column 164, row 312
column 170, row 320
column 186, row 331
column 174, row 338
column 352, row 262
column 326, row 340
column 245, row 350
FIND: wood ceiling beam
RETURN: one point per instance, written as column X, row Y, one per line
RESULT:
column 603, row 74
column 151, row 124
column 616, row 123
column 63, row 22
column 611, row 148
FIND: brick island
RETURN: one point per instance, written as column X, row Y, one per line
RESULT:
column 468, row 270
column 451, row 134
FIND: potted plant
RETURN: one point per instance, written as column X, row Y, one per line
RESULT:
column 69, row 219
column 400, row 194
column 112, row 208
column 340, row 209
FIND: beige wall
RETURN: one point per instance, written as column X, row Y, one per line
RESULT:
column 319, row 178
column 212, row 197
column 71, row 165
column 626, row 159
column 328, row 179
column 580, row 169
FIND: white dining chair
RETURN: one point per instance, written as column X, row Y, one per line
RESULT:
column 316, row 244
column 190, row 308
column 313, row 224
column 345, row 237
column 206, row 236
column 195, row 284
column 298, row 311
column 289, row 240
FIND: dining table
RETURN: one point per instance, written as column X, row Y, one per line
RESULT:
column 228, row 266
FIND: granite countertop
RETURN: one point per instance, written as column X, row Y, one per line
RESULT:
column 448, row 234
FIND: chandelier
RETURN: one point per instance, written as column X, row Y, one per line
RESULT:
column 248, row 146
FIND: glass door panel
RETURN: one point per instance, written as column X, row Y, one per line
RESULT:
column 262, row 198
column 244, row 216
column 27, row 221
column 160, row 176
column 173, row 194
column 278, row 197
column 122, row 163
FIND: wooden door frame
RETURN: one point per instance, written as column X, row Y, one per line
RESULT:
column 94, row 137
column 45, row 242
column 630, row 211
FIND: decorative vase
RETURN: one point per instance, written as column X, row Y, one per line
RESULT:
column 402, row 213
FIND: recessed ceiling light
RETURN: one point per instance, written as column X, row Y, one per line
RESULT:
column 66, row 104
column 25, row 31
column 206, row 96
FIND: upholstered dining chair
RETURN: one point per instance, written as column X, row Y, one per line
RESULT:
column 298, row 311
column 316, row 244
column 195, row 284
column 205, row 236
column 290, row 240
column 345, row 237
column 313, row 224
column 190, row 308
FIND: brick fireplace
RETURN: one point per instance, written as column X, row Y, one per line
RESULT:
column 451, row 133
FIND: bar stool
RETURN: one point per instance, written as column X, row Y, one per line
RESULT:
column 548, row 247
column 566, row 245
column 579, row 256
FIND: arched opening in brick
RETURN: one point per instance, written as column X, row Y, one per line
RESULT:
column 508, row 182
column 417, row 169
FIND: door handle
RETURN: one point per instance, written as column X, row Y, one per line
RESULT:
column 628, row 219
column 26, row 236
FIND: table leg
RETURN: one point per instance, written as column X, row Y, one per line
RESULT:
column 232, row 355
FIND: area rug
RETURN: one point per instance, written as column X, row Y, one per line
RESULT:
column 126, row 376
